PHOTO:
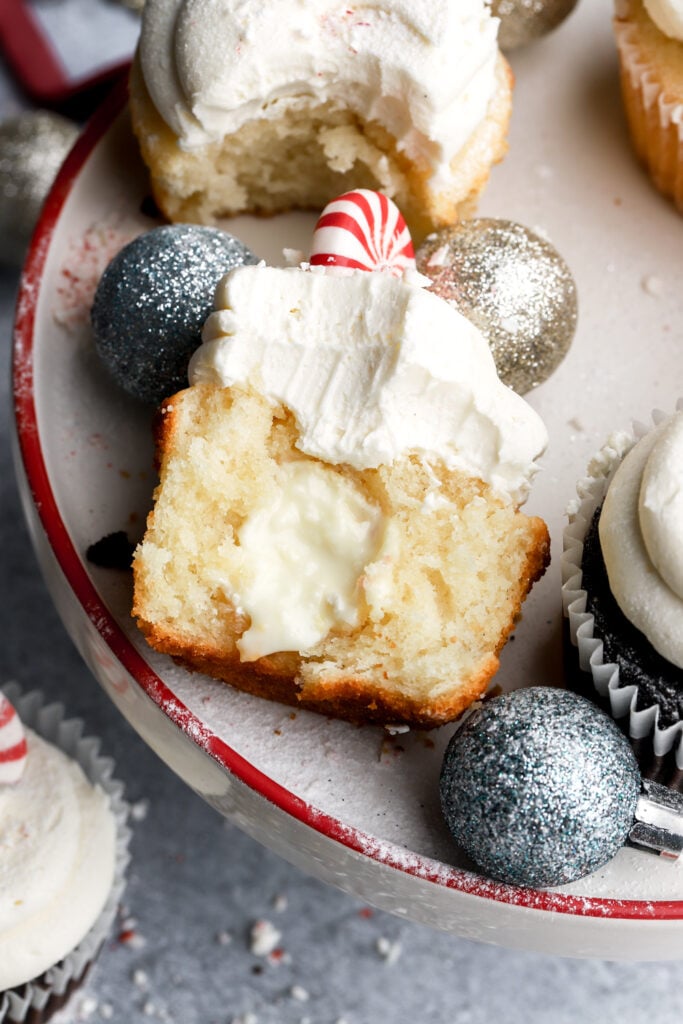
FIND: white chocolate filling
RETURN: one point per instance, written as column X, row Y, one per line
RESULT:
column 315, row 538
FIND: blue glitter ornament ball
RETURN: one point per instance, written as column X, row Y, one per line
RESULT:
column 539, row 787
column 152, row 301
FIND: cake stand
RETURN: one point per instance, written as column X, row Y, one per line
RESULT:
column 358, row 806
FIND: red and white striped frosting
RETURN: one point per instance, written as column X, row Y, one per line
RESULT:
column 364, row 230
column 12, row 743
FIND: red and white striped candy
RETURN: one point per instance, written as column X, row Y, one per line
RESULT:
column 364, row 230
column 12, row 744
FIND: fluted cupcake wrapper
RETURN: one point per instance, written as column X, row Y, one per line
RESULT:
column 623, row 700
column 36, row 1000
column 655, row 120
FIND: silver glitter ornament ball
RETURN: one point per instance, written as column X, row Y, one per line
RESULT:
column 514, row 286
column 539, row 787
column 32, row 149
column 152, row 301
column 522, row 21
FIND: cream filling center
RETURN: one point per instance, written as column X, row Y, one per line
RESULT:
column 301, row 560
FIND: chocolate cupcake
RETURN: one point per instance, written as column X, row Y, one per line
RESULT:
column 622, row 574
column 64, row 839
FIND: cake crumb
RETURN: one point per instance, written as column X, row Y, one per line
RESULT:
column 106, row 1011
column 223, row 938
column 397, row 730
column 264, row 937
column 293, row 257
column 245, row 1018
column 299, row 993
column 139, row 809
column 280, row 903
column 140, row 979
column 544, row 172
column 652, row 285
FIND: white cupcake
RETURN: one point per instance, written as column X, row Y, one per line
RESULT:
column 64, row 838
column 649, row 35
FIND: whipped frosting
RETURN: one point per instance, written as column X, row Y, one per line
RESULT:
column 372, row 367
column 424, row 69
column 641, row 536
column 57, row 852
column 667, row 16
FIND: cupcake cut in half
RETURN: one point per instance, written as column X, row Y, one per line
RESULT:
column 266, row 107
column 337, row 521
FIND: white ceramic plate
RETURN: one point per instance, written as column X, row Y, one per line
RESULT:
column 352, row 805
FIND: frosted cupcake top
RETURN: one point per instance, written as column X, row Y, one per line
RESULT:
column 424, row 69
column 641, row 536
column 372, row 367
column 667, row 16
column 57, row 853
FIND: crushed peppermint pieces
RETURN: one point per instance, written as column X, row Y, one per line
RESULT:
column 264, row 937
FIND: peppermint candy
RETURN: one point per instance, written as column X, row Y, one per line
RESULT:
column 364, row 230
column 12, row 744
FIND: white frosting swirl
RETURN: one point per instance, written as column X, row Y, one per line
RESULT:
column 424, row 69
column 641, row 536
column 57, row 851
column 372, row 367
column 667, row 16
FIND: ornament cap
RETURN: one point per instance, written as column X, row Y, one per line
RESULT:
column 658, row 824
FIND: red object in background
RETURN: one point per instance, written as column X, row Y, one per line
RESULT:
column 39, row 71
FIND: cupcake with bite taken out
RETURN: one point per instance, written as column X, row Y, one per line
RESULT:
column 261, row 108
column 623, row 580
column 64, row 850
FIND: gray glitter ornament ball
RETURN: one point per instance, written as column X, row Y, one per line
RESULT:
column 539, row 787
column 514, row 286
column 32, row 149
column 152, row 301
column 522, row 21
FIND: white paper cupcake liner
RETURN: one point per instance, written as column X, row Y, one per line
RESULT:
column 48, row 992
column 655, row 119
column 591, row 492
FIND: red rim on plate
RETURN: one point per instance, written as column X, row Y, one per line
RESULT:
column 78, row 579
